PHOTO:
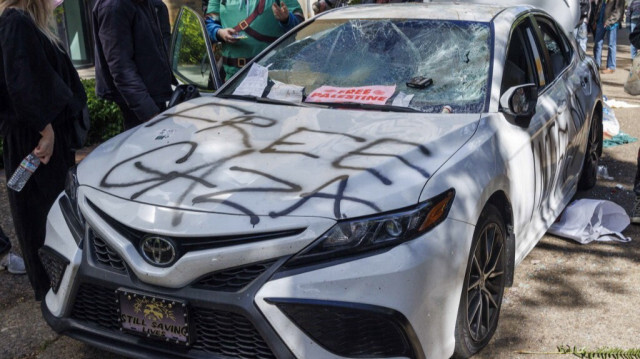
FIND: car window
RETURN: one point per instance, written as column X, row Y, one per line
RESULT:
column 559, row 58
column 518, row 67
column 430, row 63
column 538, row 61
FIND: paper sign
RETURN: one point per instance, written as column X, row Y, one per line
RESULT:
column 376, row 95
column 402, row 99
column 254, row 83
column 284, row 92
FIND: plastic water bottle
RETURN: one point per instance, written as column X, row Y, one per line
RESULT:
column 20, row 177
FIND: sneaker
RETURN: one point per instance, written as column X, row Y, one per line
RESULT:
column 635, row 214
column 14, row 263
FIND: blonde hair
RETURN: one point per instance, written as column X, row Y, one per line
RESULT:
column 40, row 11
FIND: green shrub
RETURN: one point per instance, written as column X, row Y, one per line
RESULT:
column 106, row 119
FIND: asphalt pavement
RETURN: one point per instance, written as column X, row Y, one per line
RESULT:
column 564, row 293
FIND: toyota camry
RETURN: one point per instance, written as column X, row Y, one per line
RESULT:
column 363, row 188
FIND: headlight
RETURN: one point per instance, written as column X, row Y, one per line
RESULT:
column 69, row 206
column 365, row 234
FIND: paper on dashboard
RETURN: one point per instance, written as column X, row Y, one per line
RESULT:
column 285, row 92
column 254, row 83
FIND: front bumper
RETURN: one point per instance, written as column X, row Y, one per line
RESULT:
column 414, row 286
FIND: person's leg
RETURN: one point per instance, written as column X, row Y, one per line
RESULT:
column 635, row 214
column 633, row 49
column 26, row 208
column 613, row 40
column 598, row 40
column 5, row 243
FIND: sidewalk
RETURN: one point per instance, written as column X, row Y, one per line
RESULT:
column 614, row 83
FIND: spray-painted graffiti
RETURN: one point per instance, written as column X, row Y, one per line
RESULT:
column 182, row 164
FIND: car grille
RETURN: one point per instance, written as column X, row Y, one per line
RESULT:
column 106, row 256
column 188, row 244
column 216, row 332
column 54, row 264
column 96, row 305
column 233, row 280
column 228, row 334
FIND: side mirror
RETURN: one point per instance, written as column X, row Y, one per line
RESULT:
column 520, row 101
column 183, row 93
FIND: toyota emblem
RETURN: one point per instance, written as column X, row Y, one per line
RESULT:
column 158, row 251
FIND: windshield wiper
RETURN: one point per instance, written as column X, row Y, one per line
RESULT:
column 369, row 106
column 265, row 100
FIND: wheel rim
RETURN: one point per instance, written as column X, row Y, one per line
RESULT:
column 593, row 144
column 486, row 283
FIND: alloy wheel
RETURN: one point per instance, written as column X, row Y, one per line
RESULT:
column 486, row 282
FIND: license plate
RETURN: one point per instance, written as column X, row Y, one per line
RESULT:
column 154, row 317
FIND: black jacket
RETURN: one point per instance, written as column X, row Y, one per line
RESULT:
column 132, row 64
column 38, row 83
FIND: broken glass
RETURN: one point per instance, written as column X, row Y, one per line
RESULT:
column 355, row 53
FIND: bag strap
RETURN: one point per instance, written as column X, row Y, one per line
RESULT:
column 244, row 24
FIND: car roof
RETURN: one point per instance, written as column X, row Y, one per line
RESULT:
column 439, row 11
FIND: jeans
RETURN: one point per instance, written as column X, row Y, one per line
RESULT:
column 636, row 183
column 581, row 36
column 597, row 46
column 633, row 49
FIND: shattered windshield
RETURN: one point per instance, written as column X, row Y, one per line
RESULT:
column 425, row 65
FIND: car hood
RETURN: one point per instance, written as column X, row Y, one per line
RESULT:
column 263, row 160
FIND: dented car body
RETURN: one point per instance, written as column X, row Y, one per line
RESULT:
column 364, row 188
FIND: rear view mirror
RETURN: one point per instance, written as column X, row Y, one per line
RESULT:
column 520, row 101
column 191, row 53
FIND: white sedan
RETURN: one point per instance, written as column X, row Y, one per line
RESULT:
column 362, row 188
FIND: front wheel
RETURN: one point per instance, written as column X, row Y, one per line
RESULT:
column 484, row 284
column 589, row 174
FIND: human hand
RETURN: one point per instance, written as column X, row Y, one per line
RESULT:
column 319, row 6
column 227, row 35
column 281, row 12
column 44, row 150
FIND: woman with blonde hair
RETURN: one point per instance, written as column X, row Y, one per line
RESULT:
column 40, row 97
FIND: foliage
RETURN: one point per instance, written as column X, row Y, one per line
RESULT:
column 600, row 353
column 106, row 119
column 190, row 41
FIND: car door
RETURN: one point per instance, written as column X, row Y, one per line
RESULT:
column 556, row 58
column 532, row 162
column 579, row 82
column 191, row 53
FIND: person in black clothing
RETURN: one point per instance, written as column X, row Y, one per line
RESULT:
column 41, row 96
column 634, row 38
column 132, row 62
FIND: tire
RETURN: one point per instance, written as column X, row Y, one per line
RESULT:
column 589, row 174
column 481, row 297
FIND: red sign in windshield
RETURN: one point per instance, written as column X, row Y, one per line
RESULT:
column 377, row 95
